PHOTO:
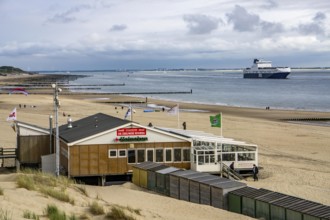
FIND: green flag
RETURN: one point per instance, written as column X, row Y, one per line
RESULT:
column 215, row 120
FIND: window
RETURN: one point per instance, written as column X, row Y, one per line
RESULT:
column 168, row 155
column 228, row 157
column 131, row 156
column 159, row 155
column 177, row 154
column 150, row 155
column 186, row 154
column 112, row 153
column 122, row 153
column 140, row 155
column 246, row 156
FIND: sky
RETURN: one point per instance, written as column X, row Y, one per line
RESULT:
column 146, row 34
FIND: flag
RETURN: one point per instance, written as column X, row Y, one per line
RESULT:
column 128, row 113
column 215, row 120
column 12, row 115
column 174, row 110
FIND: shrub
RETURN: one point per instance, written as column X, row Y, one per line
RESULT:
column 25, row 181
column 29, row 215
column 54, row 214
column 96, row 209
column 118, row 213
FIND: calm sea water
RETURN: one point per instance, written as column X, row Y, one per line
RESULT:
column 303, row 90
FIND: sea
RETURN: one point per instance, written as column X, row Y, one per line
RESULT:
column 302, row 90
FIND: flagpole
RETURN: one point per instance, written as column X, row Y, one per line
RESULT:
column 178, row 116
column 221, row 122
column 130, row 108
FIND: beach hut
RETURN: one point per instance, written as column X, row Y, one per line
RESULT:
column 151, row 172
column 263, row 206
column 194, row 187
column 175, row 182
column 136, row 171
column 205, row 189
column 243, row 200
column 163, row 180
column 317, row 213
column 143, row 174
column 184, row 184
column 278, row 207
column 219, row 192
column 296, row 210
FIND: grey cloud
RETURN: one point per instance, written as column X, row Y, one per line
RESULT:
column 246, row 22
column 270, row 4
column 68, row 16
column 314, row 27
column 242, row 20
column 320, row 16
column 201, row 24
column 118, row 27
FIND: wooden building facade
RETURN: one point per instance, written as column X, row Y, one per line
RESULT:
column 102, row 145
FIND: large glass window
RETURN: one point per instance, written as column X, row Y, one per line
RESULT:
column 150, row 155
column 228, row 157
column 186, row 154
column 140, row 155
column 177, row 154
column 246, row 156
column 168, row 155
column 159, row 155
column 131, row 156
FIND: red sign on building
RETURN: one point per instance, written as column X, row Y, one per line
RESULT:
column 131, row 131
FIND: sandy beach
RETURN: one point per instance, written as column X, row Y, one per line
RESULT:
column 293, row 157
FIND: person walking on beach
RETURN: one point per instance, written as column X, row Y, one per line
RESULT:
column 255, row 171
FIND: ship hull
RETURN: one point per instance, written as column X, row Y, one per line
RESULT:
column 278, row 75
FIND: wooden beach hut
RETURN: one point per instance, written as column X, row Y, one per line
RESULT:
column 318, row 213
column 32, row 143
column 219, row 192
column 152, row 180
column 143, row 173
column 279, row 207
column 263, row 204
column 175, row 182
column 243, row 200
column 163, row 180
column 205, row 189
column 195, row 193
column 136, row 172
column 296, row 210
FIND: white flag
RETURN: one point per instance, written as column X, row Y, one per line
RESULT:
column 12, row 115
column 128, row 113
column 174, row 110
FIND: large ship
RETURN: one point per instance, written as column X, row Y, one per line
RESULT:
column 263, row 69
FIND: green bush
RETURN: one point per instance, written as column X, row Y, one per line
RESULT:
column 54, row 214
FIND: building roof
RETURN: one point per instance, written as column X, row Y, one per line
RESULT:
column 89, row 126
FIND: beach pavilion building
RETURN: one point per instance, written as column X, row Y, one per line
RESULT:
column 102, row 147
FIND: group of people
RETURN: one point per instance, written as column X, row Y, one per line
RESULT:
column 255, row 170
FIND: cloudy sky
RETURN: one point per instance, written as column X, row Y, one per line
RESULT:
column 112, row 34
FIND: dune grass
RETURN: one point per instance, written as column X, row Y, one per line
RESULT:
column 45, row 183
column 5, row 215
column 1, row 191
column 30, row 215
column 96, row 209
column 117, row 212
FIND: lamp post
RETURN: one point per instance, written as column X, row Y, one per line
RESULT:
column 57, row 140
